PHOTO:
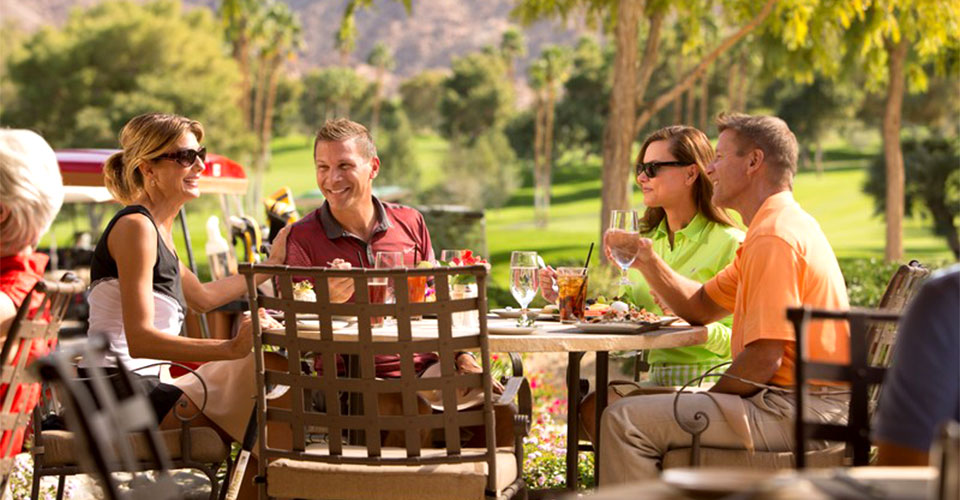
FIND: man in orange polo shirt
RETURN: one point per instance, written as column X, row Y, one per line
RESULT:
column 785, row 260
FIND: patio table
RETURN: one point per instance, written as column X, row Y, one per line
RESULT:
column 552, row 337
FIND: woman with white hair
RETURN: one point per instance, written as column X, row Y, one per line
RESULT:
column 31, row 192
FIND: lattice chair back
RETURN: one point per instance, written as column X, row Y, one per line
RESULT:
column 34, row 328
column 882, row 334
column 103, row 423
column 360, row 422
column 858, row 373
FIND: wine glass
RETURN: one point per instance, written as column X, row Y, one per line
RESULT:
column 524, row 282
column 623, row 238
column 447, row 255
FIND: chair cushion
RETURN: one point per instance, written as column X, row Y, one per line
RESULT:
column 828, row 457
column 317, row 480
column 205, row 446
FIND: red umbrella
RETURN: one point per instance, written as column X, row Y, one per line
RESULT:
column 84, row 167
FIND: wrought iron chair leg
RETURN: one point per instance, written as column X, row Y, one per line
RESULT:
column 35, row 486
column 214, row 484
column 225, row 485
column 61, row 486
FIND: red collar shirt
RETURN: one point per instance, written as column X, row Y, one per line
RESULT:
column 318, row 238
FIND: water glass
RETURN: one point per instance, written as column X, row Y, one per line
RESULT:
column 524, row 281
column 623, row 238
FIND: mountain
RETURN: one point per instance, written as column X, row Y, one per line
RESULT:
column 433, row 33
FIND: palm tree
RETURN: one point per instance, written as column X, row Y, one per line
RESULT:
column 513, row 46
column 547, row 74
column 278, row 32
column 237, row 17
column 381, row 57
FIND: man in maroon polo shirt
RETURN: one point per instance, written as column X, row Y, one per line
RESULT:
column 352, row 224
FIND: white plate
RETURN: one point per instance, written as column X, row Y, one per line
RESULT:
column 624, row 327
column 714, row 481
column 510, row 313
column 313, row 325
column 511, row 330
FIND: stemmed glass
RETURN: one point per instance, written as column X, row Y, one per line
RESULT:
column 524, row 282
column 448, row 255
column 623, row 238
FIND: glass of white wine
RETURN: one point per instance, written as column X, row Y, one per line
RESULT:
column 524, row 282
column 623, row 237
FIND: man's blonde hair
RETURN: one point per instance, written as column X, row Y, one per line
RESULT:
column 31, row 189
column 342, row 129
column 143, row 139
column 768, row 134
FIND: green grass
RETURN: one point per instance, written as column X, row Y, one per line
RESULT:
column 835, row 199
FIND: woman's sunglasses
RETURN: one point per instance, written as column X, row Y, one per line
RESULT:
column 650, row 168
column 186, row 157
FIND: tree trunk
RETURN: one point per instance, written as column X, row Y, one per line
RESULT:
column 893, row 155
column 818, row 158
column 538, row 158
column 241, row 53
column 690, row 106
column 650, row 52
column 678, row 109
column 548, row 150
column 704, row 101
column 744, row 85
column 619, row 130
column 663, row 99
column 733, row 84
column 377, row 102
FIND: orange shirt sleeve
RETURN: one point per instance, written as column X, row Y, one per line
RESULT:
column 722, row 288
column 771, row 273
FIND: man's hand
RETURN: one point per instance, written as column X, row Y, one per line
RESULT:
column 548, row 281
column 341, row 289
column 466, row 363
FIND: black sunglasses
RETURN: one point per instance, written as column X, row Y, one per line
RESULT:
column 186, row 157
column 650, row 168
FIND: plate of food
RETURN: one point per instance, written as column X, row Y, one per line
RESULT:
column 513, row 313
column 549, row 312
column 620, row 317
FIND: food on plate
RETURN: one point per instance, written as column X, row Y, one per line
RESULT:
column 621, row 312
column 303, row 291
column 550, row 309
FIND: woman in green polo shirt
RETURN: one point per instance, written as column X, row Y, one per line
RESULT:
column 693, row 236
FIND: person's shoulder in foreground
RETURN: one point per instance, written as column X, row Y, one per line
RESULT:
column 922, row 389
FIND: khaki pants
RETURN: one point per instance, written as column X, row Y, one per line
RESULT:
column 636, row 432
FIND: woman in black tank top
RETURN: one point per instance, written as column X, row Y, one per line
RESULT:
column 155, row 175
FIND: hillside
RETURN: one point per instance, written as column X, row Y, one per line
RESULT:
column 429, row 37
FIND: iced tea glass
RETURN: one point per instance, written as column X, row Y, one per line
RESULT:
column 416, row 290
column 572, row 288
column 381, row 291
